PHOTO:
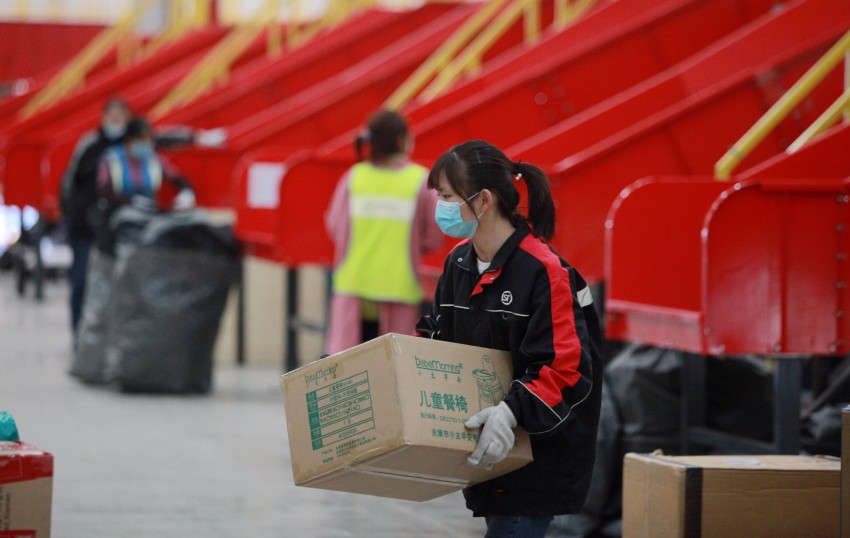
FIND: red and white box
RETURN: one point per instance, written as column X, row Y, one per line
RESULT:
column 26, row 490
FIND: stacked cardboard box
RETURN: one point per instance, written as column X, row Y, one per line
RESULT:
column 26, row 490
column 386, row 418
column 722, row 496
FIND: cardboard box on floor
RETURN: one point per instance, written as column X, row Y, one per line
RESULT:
column 722, row 496
column 26, row 490
column 386, row 417
column 845, row 473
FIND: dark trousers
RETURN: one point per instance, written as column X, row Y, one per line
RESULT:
column 517, row 526
column 81, row 247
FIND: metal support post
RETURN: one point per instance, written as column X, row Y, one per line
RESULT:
column 291, row 358
column 38, row 274
column 693, row 397
column 240, row 313
column 787, row 379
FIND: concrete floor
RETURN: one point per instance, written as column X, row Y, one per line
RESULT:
column 210, row 466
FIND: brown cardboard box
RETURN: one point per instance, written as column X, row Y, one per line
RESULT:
column 723, row 496
column 845, row 473
column 386, row 417
column 26, row 490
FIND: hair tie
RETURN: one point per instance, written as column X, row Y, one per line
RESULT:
column 518, row 176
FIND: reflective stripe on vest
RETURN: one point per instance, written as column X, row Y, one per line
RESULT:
column 377, row 265
column 122, row 175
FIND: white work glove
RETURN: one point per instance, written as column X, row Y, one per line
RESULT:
column 185, row 199
column 211, row 137
column 497, row 436
column 143, row 202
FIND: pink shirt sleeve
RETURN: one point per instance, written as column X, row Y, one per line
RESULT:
column 337, row 218
column 424, row 225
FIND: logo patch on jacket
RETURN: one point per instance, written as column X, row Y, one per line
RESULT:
column 507, row 298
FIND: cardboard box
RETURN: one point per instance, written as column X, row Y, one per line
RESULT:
column 26, row 491
column 845, row 473
column 386, row 417
column 722, row 496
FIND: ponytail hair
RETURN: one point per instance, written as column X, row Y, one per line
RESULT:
column 541, row 207
column 476, row 165
column 361, row 139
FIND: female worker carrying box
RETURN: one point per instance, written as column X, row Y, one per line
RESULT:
column 504, row 287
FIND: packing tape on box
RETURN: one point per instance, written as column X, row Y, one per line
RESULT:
column 693, row 495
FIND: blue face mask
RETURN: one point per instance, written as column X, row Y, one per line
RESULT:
column 449, row 219
column 141, row 149
column 113, row 131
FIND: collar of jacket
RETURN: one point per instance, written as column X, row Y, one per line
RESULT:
column 465, row 258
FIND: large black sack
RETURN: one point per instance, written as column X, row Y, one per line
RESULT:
column 92, row 334
column 168, row 298
column 644, row 382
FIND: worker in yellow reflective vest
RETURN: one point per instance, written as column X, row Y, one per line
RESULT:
column 381, row 221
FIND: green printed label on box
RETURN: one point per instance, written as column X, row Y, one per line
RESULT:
column 443, row 401
column 340, row 410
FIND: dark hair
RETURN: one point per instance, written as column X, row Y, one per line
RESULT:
column 116, row 102
column 476, row 165
column 385, row 133
column 138, row 126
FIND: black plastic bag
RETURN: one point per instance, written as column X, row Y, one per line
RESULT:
column 166, row 312
column 169, row 296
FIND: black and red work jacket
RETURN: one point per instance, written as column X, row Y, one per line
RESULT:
column 532, row 303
